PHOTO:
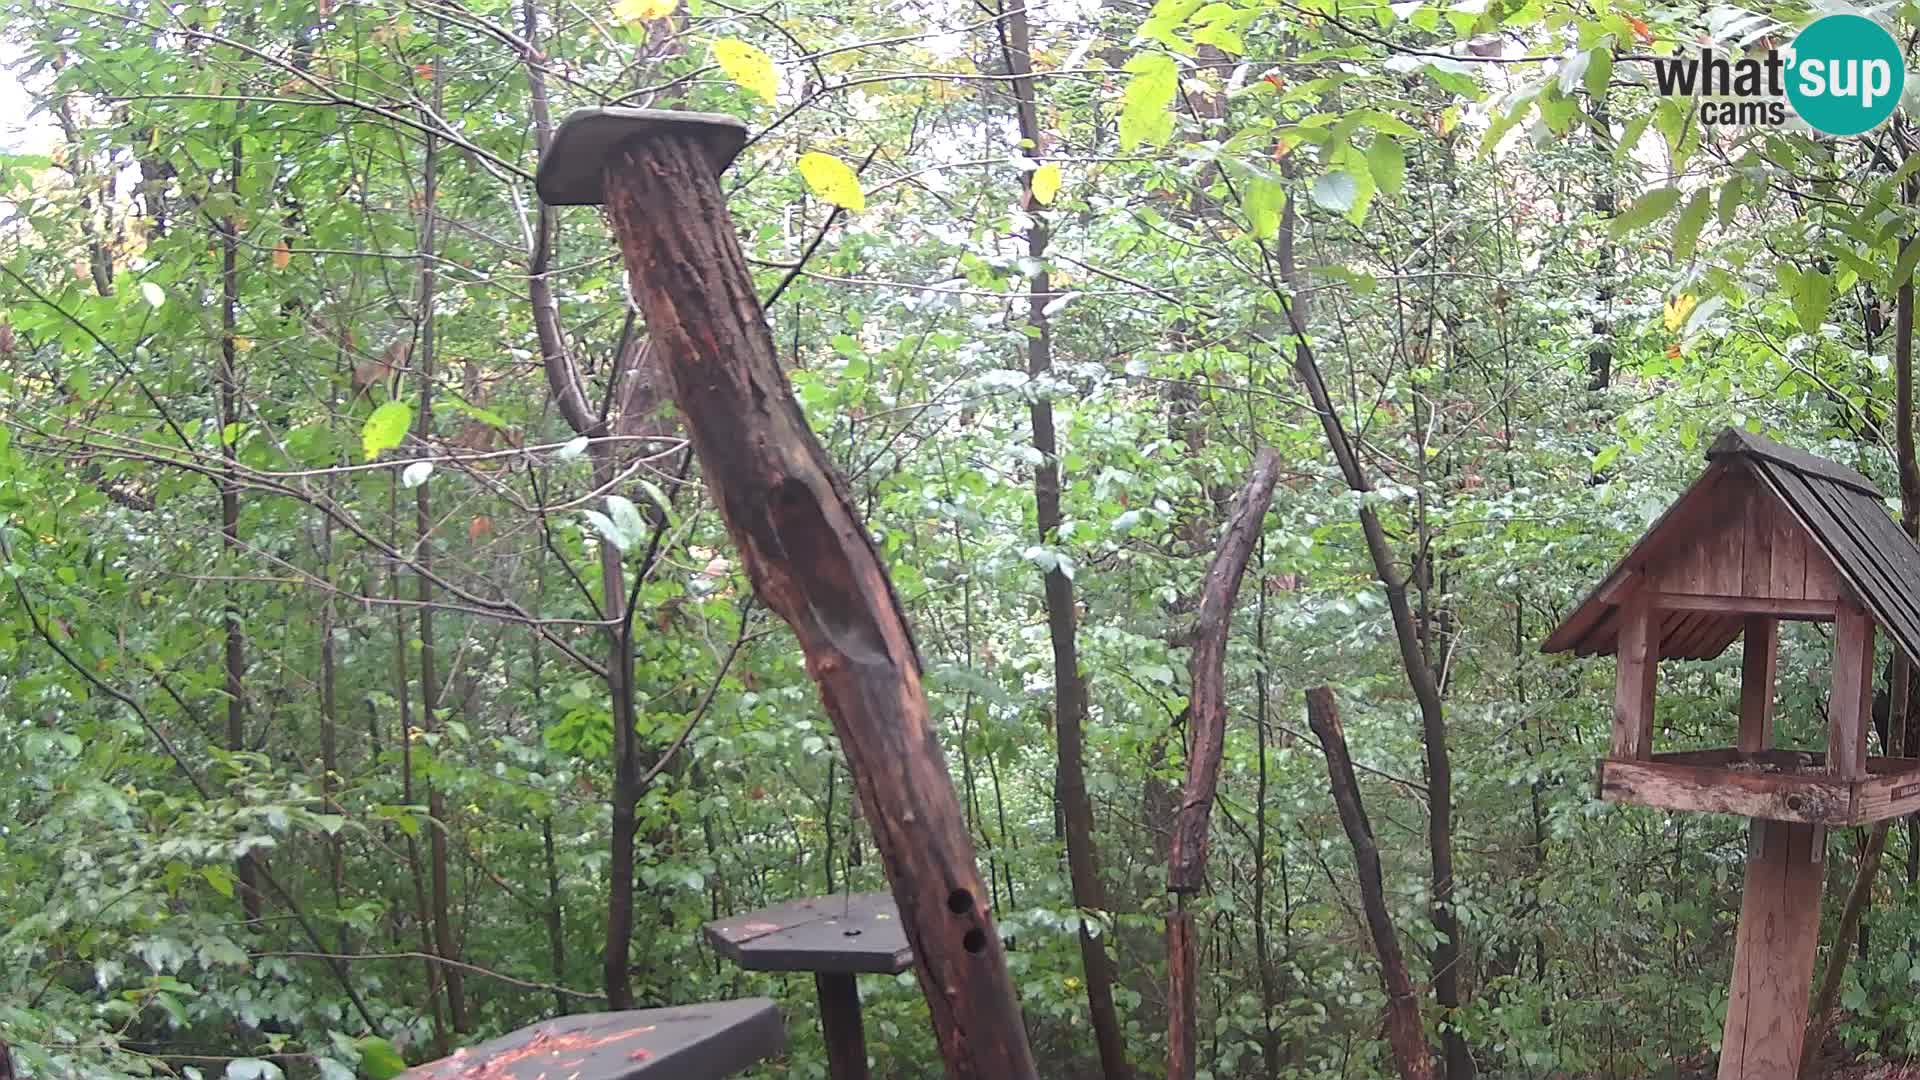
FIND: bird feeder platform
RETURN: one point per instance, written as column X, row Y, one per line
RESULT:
column 686, row 1042
column 835, row 938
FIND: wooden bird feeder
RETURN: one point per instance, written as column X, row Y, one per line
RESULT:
column 1766, row 533
column 835, row 938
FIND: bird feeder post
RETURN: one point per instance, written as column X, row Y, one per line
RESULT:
column 804, row 546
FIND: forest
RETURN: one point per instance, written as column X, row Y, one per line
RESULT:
column 1217, row 406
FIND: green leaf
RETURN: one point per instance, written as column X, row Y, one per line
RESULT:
column 1811, row 292
column 833, row 180
column 1335, row 191
column 1388, row 163
column 626, row 518
column 608, row 531
column 1654, row 204
column 379, row 1060
column 1730, row 194
column 1903, row 269
column 1263, row 201
column 386, row 428
column 1144, row 115
column 1599, row 71
column 1686, row 231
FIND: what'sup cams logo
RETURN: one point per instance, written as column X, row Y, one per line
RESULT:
column 1842, row 75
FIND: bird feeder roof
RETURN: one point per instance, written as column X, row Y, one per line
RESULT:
column 1766, row 529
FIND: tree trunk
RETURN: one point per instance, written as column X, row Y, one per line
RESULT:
column 236, row 641
column 1447, row 949
column 1069, row 688
column 812, row 561
column 1207, row 729
column 1409, row 1043
column 430, row 691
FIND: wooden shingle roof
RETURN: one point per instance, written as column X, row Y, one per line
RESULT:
column 1834, row 516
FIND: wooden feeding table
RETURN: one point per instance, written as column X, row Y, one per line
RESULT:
column 835, row 938
column 686, row 1042
column 1767, row 533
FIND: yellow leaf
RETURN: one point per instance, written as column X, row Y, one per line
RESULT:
column 748, row 66
column 242, row 344
column 281, row 255
column 830, row 178
column 632, row 12
column 1678, row 309
column 1046, row 184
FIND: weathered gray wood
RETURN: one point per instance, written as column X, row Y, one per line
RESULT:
column 1773, row 954
column 686, row 1042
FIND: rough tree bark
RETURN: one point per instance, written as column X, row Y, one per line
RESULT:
column 1445, row 954
column 1069, row 688
column 1410, row 1051
column 1207, row 732
column 812, row 561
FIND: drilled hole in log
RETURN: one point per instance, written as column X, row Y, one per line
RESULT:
column 1796, row 803
column 959, row 901
column 975, row 941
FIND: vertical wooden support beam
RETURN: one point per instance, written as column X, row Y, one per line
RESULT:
column 1773, row 954
column 1850, row 706
column 1758, row 654
column 1633, row 686
column 841, row 1025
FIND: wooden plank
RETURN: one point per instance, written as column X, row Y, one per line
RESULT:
column 1822, row 582
column 1797, row 609
column 1757, row 660
column 1789, row 567
column 1716, row 789
column 718, row 1038
column 1725, row 547
column 1638, row 667
column 1850, row 705
column 1773, row 954
column 1894, row 791
column 1756, row 564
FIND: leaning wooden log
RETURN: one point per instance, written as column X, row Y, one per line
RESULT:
column 804, row 546
column 1206, row 738
column 1409, row 1044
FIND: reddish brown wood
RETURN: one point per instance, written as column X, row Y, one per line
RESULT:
column 1183, row 994
column 1404, row 1035
column 1207, row 729
column 1850, row 706
column 1725, row 605
column 1773, row 954
column 812, row 562
column 1634, row 679
column 1207, row 704
column 1757, row 659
